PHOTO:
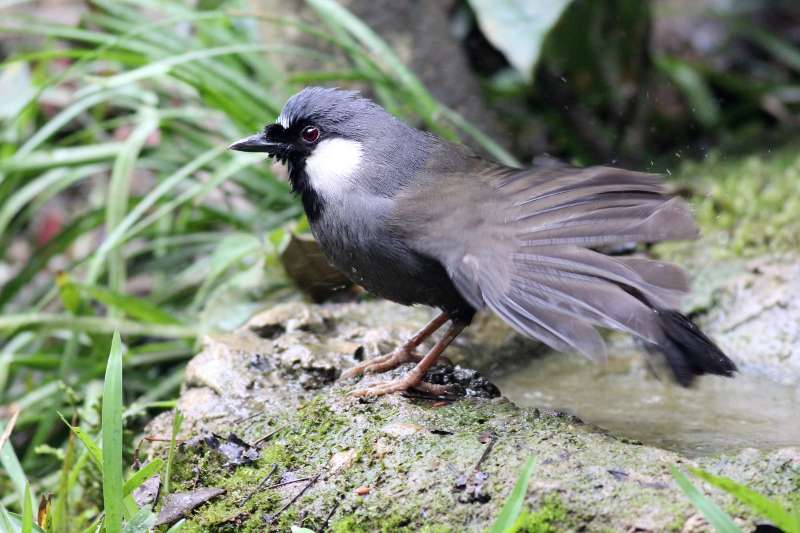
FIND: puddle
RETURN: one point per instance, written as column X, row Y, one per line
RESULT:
column 716, row 415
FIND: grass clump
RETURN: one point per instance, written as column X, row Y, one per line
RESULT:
column 122, row 210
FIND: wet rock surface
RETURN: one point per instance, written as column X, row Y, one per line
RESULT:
column 753, row 310
column 328, row 461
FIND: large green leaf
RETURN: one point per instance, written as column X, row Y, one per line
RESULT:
column 518, row 28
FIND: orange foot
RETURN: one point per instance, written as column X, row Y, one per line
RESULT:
column 403, row 384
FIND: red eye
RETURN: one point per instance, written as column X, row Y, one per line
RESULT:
column 310, row 134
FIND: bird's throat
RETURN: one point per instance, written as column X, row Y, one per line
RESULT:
column 313, row 203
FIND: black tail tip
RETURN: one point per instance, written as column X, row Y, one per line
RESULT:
column 688, row 351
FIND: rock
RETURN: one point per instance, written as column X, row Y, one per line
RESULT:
column 754, row 315
column 396, row 463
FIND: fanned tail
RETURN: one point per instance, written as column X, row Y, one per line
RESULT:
column 545, row 279
column 687, row 350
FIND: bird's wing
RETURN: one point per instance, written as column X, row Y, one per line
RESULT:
column 522, row 243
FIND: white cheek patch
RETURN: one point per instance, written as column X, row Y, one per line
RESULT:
column 332, row 165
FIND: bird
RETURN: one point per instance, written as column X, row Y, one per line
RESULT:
column 418, row 220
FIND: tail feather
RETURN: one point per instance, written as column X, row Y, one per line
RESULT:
column 528, row 252
column 687, row 350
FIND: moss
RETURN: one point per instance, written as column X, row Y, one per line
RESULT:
column 544, row 519
column 411, row 476
column 752, row 204
column 395, row 523
column 347, row 524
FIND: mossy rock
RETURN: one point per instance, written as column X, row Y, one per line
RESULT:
column 405, row 464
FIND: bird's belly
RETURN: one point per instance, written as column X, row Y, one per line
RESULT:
column 389, row 269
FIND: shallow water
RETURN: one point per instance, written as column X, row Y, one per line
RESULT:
column 716, row 415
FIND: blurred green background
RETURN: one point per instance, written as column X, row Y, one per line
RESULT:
column 121, row 209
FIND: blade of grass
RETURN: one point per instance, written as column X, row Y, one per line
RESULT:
column 11, row 464
column 95, row 325
column 61, row 506
column 142, row 521
column 694, row 87
column 95, row 453
column 768, row 508
column 6, row 521
column 177, row 420
column 116, row 237
column 112, row 439
column 512, row 507
column 56, row 179
column 119, row 192
column 230, row 250
column 67, row 115
column 224, row 173
column 45, row 159
column 13, row 523
column 718, row 518
column 781, row 49
column 136, row 308
column 177, row 527
column 27, row 511
column 39, row 260
column 488, row 144
column 165, row 65
column 142, row 475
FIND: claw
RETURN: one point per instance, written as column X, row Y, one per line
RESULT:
column 389, row 387
column 382, row 363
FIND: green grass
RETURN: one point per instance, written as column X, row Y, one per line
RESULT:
column 508, row 519
column 787, row 519
column 117, row 503
column 159, row 222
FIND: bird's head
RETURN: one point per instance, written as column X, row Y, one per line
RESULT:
column 328, row 137
column 319, row 127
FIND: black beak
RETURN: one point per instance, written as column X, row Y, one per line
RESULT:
column 256, row 143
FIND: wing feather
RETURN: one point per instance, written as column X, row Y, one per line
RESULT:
column 521, row 243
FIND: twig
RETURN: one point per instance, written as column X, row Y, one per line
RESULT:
column 296, row 497
column 259, row 487
column 10, row 426
column 152, row 438
column 473, row 476
column 330, row 515
column 267, row 436
column 248, row 417
column 486, row 452
column 282, row 483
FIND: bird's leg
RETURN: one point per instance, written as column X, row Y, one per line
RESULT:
column 401, row 355
column 413, row 379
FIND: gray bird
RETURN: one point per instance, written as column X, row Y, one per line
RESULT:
column 417, row 220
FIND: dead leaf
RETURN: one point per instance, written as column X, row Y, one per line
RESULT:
column 310, row 270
